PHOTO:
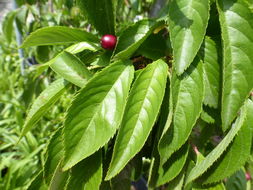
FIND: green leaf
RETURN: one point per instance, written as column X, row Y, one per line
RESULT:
column 87, row 174
column 166, row 116
column 54, row 157
column 8, row 25
column 104, row 59
column 59, row 179
column 211, row 115
column 170, row 169
column 154, row 47
column 188, row 21
column 236, row 155
column 212, row 157
column 38, row 183
column 140, row 115
column 42, row 54
column 205, row 116
column 21, row 19
column 188, row 168
column 164, row 120
column 198, row 186
column 131, row 39
column 212, row 68
column 74, row 49
column 96, row 112
column 237, row 181
column 81, row 46
column 57, row 35
column 219, row 186
column 177, row 183
column 236, row 21
column 70, row 68
column 187, row 97
column 43, row 103
column 101, row 13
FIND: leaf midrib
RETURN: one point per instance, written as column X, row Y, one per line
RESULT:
column 189, row 11
column 138, row 115
column 170, row 149
column 231, row 67
column 96, row 112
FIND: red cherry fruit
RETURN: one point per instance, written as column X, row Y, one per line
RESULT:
column 108, row 41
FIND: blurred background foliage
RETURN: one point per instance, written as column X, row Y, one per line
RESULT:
column 22, row 80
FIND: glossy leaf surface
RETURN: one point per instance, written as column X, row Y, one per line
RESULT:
column 57, row 35
column 164, row 120
column 140, row 115
column 236, row 21
column 43, row 103
column 212, row 69
column 187, row 97
column 188, row 20
column 81, row 46
column 164, row 173
column 74, row 49
column 96, row 112
column 70, row 68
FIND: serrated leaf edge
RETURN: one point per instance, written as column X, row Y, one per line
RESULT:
column 94, row 78
column 190, row 62
column 240, row 123
column 108, row 177
column 55, row 43
column 198, row 115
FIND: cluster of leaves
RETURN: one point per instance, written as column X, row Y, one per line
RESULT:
column 170, row 104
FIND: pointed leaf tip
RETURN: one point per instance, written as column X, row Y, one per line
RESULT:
column 140, row 115
column 96, row 112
